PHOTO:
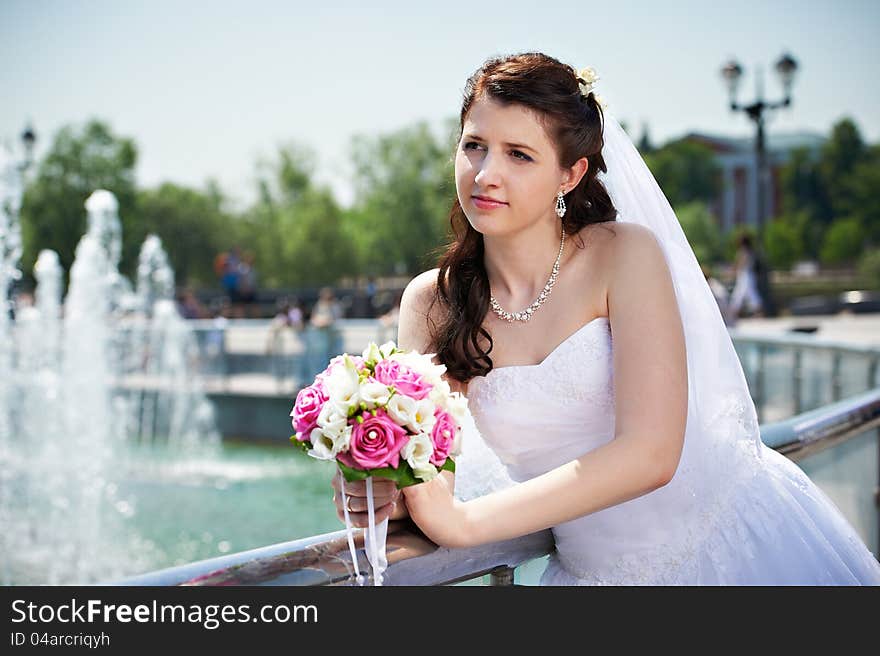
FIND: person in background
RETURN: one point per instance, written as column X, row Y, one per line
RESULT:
column 229, row 281
column 745, row 290
column 247, row 285
column 719, row 291
column 188, row 305
column 289, row 317
column 371, row 296
column 322, row 337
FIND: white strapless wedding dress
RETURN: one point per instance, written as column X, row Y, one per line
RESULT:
column 752, row 518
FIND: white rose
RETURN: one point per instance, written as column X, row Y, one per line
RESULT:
column 402, row 409
column 374, row 393
column 457, row 406
column 440, row 394
column 417, row 454
column 418, row 451
column 425, row 473
column 423, row 418
column 331, row 419
column 455, row 451
column 326, row 444
column 342, row 386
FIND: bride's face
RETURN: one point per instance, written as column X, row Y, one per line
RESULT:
column 506, row 155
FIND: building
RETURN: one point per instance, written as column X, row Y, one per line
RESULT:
column 737, row 203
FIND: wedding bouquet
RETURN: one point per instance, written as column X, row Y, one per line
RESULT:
column 388, row 413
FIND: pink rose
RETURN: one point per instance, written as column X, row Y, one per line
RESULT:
column 403, row 379
column 306, row 409
column 443, row 436
column 376, row 442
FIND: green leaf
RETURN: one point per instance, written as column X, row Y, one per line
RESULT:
column 403, row 476
column 449, row 465
column 305, row 446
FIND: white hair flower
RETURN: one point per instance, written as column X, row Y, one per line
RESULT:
column 587, row 78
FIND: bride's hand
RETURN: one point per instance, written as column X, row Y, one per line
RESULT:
column 387, row 501
column 441, row 517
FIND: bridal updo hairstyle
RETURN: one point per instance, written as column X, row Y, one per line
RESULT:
column 574, row 123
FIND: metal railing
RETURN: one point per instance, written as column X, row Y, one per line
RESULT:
column 414, row 560
column 799, row 346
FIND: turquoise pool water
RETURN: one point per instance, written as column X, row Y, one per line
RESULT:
column 244, row 497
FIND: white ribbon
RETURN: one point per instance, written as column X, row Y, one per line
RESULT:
column 374, row 537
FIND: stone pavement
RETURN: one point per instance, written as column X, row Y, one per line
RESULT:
column 857, row 329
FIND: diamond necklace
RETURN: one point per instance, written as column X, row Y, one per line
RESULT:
column 526, row 314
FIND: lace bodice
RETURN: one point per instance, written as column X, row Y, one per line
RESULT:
column 573, row 404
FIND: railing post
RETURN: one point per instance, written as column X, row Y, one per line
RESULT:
column 759, row 383
column 836, row 382
column 872, row 373
column 501, row 576
column 797, row 376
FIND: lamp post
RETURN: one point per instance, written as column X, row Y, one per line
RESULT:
column 28, row 140
column 732, row 72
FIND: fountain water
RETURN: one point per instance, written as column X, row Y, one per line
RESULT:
column 80, row 389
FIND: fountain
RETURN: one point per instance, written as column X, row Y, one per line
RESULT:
column 86, row 386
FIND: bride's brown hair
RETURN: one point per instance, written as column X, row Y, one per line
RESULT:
column 574, row 124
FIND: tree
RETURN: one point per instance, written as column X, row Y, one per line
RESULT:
column 686, row 171
column 404, row 190
column 783, row 241
column 702, row 231
column 295, row 228
column 841, row 180
column 645, row 146
column 843, row 242
column 79, row 161
column 860, row 197
column 192, row 226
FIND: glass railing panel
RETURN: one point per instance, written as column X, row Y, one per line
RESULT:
column 847, row 473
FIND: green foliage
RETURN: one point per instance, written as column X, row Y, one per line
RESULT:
column 843, row 242
column 784, row 239
column 404, row 185
column 192, row 226
column 860, row 196
column 79, row 161
column 686, row 171
column 841, row 180
column 295, row 228
column 843, row 151
column 869, row 267
column 702, row 231
column 403, row 475
column 803, row 188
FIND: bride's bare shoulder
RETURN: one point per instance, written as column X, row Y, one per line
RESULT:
column 419, row 313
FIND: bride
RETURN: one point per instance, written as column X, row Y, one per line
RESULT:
column 571, row 311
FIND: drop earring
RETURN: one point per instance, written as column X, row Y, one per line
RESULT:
column 560, row 205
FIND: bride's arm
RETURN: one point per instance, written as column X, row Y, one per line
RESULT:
column 650, row 387
column 413, row 333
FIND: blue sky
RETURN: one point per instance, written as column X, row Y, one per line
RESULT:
column 208, row 88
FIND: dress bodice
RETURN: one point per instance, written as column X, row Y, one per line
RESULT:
column 537, row 417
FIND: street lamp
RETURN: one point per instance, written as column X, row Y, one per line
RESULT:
column 732, row 72
column 28, row 139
